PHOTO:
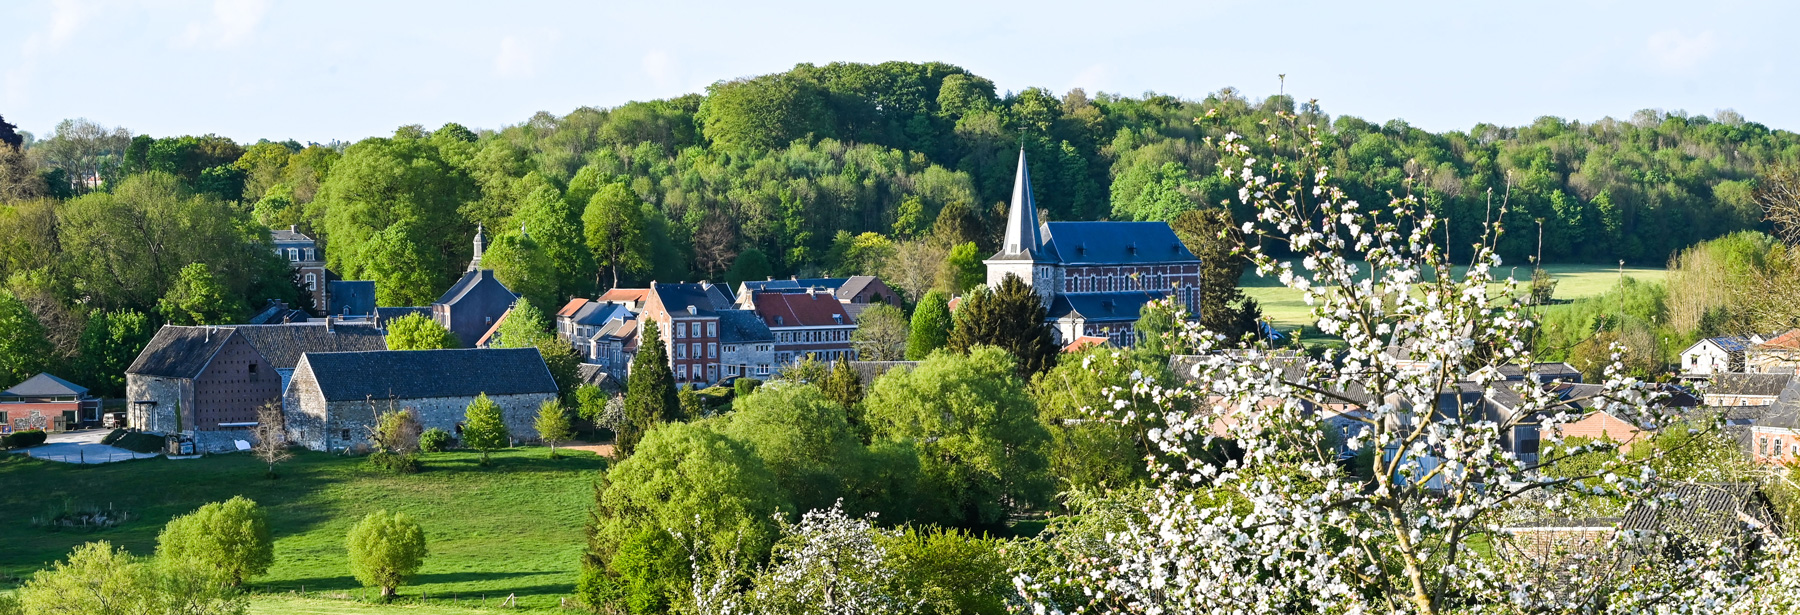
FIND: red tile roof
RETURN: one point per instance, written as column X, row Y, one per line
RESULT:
column 800, row 309
column 1791, row 339
column 1084, row 342
column 571, row 307
column 625, row 294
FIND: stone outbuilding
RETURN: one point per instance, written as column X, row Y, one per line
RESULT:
column 333, row 398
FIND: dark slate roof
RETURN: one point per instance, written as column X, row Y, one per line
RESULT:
column 743, row 327
column 469, row 282
column 1115, row 306
column 44, row 385
column 385, row 314
column 415, row 374
column 706, row 298
column 1748, row 384
column 279, row 312
column 1702, row 511
column 590, row 373
column 596, row 313
column 1545, row 372
column 288, row 235
column 795, row 285
column 853, row 285
column 179, row 352
column 1114, row 243
column 1785, row 412
column 357, row 295
column 282, row 345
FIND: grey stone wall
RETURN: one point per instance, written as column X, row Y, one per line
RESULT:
column 166, row 392
column 320, row 425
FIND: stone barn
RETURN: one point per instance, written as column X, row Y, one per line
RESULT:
column 333, row 398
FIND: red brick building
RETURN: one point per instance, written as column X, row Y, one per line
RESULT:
column 46, row 402
column 688, row 323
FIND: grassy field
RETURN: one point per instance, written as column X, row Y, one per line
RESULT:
column 1283, row 306
column 513, row 528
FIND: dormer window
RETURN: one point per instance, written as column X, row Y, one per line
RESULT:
column 312, row 254
column 778, row 321
column 293, row 254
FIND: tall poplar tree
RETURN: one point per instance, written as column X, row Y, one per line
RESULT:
column 650, row 392
column 930, row 326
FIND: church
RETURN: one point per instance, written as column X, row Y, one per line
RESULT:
column 1094, row 277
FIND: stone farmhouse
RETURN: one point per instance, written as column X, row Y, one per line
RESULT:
column 208, row 382
column 1094, row 277
column 335, row 397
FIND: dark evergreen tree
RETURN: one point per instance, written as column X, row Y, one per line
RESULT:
column 1211, row 235
column 650, row 396
column 9, row 134
column 1011, row 318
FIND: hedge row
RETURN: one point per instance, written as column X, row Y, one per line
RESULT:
column 24, row 439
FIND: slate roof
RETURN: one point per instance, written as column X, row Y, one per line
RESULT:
column 1702, row 511
column 1113, row 243
column 800, row 310
column 853, row 285
column 599, row 313
column 704, row 297
column 416, row 374
column 743, row 327
column 1114, row 306
column 1768, row 385
column 356, row 295
column 179, row 352
column 1545, row 372
column 1785, row 412
column 795, row 285
column 44, row 385
column 469, row 282
column 279, row 312
column 288, row 235
column 385, row 314
column 282, row 345
column 589, row 373
column 1731, row 343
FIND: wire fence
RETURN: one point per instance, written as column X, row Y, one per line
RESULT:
column 84, row 455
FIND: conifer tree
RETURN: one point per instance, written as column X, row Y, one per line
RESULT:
column 1011, row 318
column 650, row 392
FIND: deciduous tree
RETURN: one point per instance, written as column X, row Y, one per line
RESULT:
column 881, row 333
column 386, row 551
column 230, row 537
column 616, row 232
column 484, row 428
column 930, row 327
column 553, row 425
column 419, row 332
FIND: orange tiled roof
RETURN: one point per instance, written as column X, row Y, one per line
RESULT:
column 571, row 307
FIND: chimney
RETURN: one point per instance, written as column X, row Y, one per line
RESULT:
column 328, row 323
column 293, row 228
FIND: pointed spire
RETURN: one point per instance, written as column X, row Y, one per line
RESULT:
column 480, row 246
column 1021, row 219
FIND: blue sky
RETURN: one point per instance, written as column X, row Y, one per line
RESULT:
column 320, row 70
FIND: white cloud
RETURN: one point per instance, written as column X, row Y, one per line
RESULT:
column 232, row 22
column 1673, row 50
column 661, row 68
column 515, row 59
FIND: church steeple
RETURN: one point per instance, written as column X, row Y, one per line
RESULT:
column 480, row 246
column 1021, row 219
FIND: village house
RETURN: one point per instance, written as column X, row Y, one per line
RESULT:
column 811, row 324
column 1779, row 354
column 746, row 345
column 335, row 397
column 308, row 262
column 48, row 403
column 687, row 319
column 1774, row 437
column 856, row 292
column 1714, row 355
column 603, row 332
column 1094, row 277
column 1733, row 389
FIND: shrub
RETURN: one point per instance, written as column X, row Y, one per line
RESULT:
column 394, row 463
column 386, row 550
column 230, row 537
column 113, row 436
column 745, row 386
column 139, row 442
column 26, row 439
column 435, row 440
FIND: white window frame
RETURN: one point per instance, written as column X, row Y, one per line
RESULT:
column 680, row 331
column 681, row 351
column 712, row 329
column 712, row 350
column 312, row 281
column 681, row 373
column 293, row 255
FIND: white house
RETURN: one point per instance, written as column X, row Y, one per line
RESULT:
column 1714, row 355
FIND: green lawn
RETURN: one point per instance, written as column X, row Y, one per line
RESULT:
column 290, row 605
column 513, row 528
column 1283, row 306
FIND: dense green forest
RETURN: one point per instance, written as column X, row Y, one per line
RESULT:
column 822, row 169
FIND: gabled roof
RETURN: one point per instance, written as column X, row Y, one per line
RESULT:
column 1785, row 412
column 288, row 235
column 853, row 285
column 1543, row 371
column 743, row 327
column 45, row 385
column 281, row 345
column 1728, row 343
column 1786, row 341
column 599, row 313
column 568, row 309
column 1085, row 342
column 418, row 374
column 488, row 336
column 1114, row 243
column 179, row 352
column 1115, row 306
column 628, row 295
column 278, row 313
column 782, row 310
column 469, row 283
column 1766, row 385
column 794, row 285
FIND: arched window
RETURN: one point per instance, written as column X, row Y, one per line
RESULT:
column 312, row 282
